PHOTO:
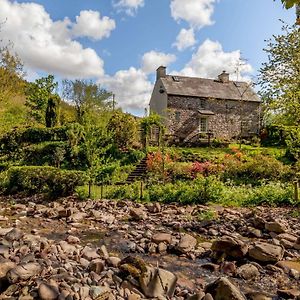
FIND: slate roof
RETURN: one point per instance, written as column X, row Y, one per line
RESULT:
column 208, row 88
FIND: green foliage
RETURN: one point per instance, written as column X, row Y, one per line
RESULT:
column 38, row 94
column 11, row 74
column 53, row 111
column 40, row 180
column 289, row 3
column 147, row 123
column 293, row 142
column 206, row 215
column 13, row 141
column 208, row 190
column 123, row 128
column 86, row 96
column 279, row 76
column 47, row 153
column 254, row 169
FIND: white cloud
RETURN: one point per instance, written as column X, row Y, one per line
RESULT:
column 90, row 24
column 129, row 6
column 47, row 45
column 131, row 87
column 185, row 39
column 210, row 60
column 197, row 13
column 152, row 60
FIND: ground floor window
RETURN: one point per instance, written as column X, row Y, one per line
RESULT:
column 203, row 125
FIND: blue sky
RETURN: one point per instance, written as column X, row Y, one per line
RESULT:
column 120, row 43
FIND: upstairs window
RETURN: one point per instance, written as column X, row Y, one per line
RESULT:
column 202, row 104
column 177, row 116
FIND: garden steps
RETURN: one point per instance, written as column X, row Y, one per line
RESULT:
column 139, row 172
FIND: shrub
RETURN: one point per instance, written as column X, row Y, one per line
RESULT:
column 48, row 153
column 253, row 169
column 12, row 141
column 41, row 180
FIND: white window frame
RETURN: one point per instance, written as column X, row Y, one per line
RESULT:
column 203, row 125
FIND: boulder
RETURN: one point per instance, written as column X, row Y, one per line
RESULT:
column 223, row 289
column 248, row 272
column 156, row 282
column 5, row 266
column 23, row 272
column 265, row 252
column 232, row 247
column 276, row 226
column 138, row 214
column 47, row 292
column 14, row 235
column 162, row 237
column 187, row 243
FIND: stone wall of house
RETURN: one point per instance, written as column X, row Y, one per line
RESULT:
column 183, row 117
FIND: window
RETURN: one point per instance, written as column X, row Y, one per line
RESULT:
column 177, row 116
column 202, row 103
column 176, row 78
column 203, row 124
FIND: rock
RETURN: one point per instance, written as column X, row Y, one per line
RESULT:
column 138, row 214
column 97, row 266
column 23, row 272
column 133, row 296
column 223, row 289
column 14, row 235
column 4, row 231
column 77, row 217
column 289, row 294
column 156, row 282
column 47, row 292
column 288, row 265
column 73, row 239
column 67, row 248
column 208, row 297
column 162, row 247
column 162, row 237
column 198, row 296
column 248, row 271
column 90, row 253
column 5, row 266
column 187, row 243
column 100, row 292
column 232, row 247
column 113, row 261
column 276, row 227
column 265, row 252
column 258, row 296
column 254, row 232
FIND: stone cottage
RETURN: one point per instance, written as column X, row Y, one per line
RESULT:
column 194, row 108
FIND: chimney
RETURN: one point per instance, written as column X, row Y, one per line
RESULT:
column 161, row 72
column 224, row 77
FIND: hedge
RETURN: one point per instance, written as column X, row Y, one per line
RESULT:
column 30, row 180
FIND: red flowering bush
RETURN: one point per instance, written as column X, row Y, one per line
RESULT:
column 156, row 160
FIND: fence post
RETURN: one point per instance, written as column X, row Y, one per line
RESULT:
column 101, row 191
column 296, row 186
column 141, row 191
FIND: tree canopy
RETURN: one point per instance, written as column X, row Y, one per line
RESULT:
column 280, row 76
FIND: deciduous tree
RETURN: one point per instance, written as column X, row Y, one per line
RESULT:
column 38, row 94
column 280, row 76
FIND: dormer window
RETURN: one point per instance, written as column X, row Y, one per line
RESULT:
column 176, row 78
column 202, row 104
